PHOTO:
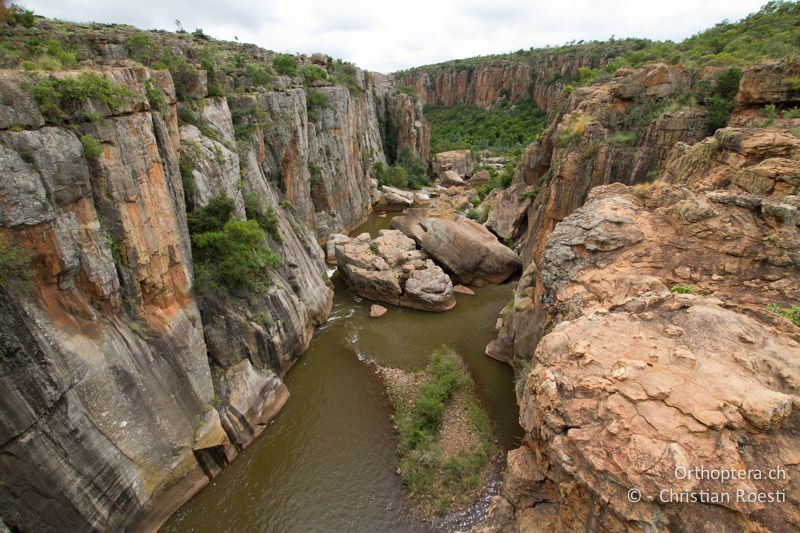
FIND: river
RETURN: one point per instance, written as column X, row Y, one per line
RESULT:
column 327, row 462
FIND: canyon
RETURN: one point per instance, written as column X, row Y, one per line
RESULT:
column 656, row 255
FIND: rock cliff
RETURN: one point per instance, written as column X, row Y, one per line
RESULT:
column 124, row 389
column 481, row 82
column 620, row 384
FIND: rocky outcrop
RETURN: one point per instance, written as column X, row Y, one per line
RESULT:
column 456, row 161
column 618, row 132
column 391, row 269
column 465, row 248
column 615, row 365
column 770, row 84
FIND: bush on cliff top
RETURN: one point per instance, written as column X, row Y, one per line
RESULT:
column 228, row 253
column 59, row 99
column 285, row 64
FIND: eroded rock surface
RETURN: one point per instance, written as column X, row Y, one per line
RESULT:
column 622, row 381
column 391, row 269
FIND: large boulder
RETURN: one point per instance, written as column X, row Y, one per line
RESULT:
column 393, row 199
column 464, row 247
column 391, row 269
column 459, row 161
column 451, row 178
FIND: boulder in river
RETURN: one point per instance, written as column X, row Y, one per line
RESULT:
column 464, row 247
column 391, row 269
column 393, row 199
column 377, row 311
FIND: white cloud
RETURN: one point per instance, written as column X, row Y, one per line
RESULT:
column 387, row 36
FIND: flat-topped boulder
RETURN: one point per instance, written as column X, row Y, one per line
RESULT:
column 465, row 248
column 393, row 199
column 459, row 161
column 391, row 269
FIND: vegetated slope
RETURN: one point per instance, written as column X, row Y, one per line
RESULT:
column 504, row 129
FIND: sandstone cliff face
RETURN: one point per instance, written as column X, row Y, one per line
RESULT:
column 541, row 76
column 104, row 366
column 622, row 382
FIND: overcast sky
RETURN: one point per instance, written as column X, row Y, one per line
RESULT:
column 387, row 36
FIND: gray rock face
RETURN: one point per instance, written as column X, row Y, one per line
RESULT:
column 215, row 168
column 105, row 373
column 463, row 246
column 390, row 269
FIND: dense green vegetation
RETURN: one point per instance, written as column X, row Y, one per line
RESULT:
column 792, row 313
column 92, row 147
column 409, row 172
column 267, row 220
column 228, row 253
column 504, row 130
column 59, row 99
column 433, row 478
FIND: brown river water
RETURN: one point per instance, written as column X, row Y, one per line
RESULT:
column 327, row 462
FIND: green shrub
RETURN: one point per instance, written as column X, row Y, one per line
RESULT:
column 791, row 113
column 374, row 248
column 394, row 176
column 792, row 313
column 155, row 97
column 19, row 16
column 344, row 75
column 214, row 87
column 229, row 253
column 682, row 289
column 623, row 137
column 769, row 114
column 50, row 55
column 267, row 220
column 15, row 267
column 285, row 64
column 92, row 147
column 59, row 99
column 312, row 73
column 416, row 169
column 472, row 213
column 722, row 100
column 259, row 75
column 141, row 48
